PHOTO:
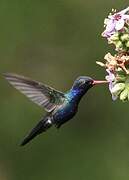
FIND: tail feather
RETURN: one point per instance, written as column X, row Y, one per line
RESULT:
column 42, row 126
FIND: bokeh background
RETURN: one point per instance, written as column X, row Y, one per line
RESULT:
column 54, row 42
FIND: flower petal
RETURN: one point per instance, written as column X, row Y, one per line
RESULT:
column 110, row 25
column 110, row 86
column 126, row 17
column 110, row 75
column 114, row 97
column 124, row 11
column 119, row 24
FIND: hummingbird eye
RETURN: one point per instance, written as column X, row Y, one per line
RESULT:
column 90, row 82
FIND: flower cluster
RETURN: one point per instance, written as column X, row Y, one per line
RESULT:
column 117, row 66
column 117, row 29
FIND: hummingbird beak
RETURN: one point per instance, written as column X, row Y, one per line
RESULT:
column 99, row 82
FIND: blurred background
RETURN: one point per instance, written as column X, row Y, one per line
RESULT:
column 55, row 42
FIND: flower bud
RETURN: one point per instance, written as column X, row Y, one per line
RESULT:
column 127, row 44
column 115, row 37
column 118, row 88
column 100, row 63
column 124, row 95
column 125, row 37
column 118, row 45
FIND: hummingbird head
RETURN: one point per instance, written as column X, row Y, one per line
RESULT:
column 85, row 82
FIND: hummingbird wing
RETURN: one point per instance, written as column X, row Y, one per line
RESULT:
column 37, row 92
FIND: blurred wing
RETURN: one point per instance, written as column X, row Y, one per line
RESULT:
column 39, row 93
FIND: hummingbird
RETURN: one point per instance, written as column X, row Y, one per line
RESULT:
column 60, row 107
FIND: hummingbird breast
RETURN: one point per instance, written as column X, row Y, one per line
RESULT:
column 64, row 112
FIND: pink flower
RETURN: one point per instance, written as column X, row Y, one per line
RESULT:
column 115, row 22
column 110, row 78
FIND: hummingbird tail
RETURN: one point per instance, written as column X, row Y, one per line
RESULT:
column 42, row 126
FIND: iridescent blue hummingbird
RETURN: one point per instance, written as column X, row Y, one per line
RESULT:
column 60, row 107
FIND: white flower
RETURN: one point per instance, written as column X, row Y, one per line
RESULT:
column 115, row 22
